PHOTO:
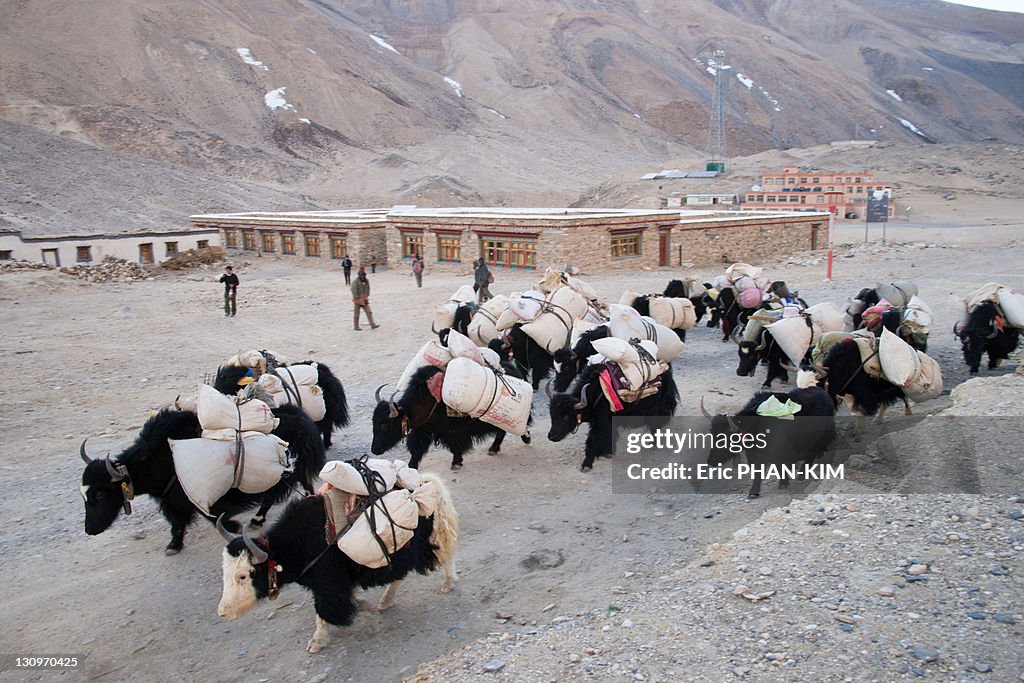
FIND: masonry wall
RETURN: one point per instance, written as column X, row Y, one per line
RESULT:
column 749, row 243
column 126, row 246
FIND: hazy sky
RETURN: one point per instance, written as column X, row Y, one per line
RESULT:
column 1002, row 5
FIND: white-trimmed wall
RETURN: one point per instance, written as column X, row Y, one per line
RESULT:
column 62, row 250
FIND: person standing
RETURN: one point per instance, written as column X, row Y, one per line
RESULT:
column 482, row 279
column 346, row 265
column 230, row 281
column 417, row 269
column 361, row 300
column 373, row 264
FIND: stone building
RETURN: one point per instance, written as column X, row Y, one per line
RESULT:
column 74, row 248
column 526, row 238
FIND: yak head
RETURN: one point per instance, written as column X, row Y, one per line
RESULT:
column 387, row 424
column 567, row 366
column 106, row 490
column 566, row 412
column 720, row 424
column 247, row 574
column 749, row 352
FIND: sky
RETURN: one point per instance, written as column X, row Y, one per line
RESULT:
column 1001, row 5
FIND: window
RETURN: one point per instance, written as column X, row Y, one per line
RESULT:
column 249, row 240
column 339, row 247
column 860, row 190
column 84, row 254
column 202, row 244
column 449, row 248
column 412, row 243
column 791, row 181
column 312, row 245
column 269, row 241
column 803, row 181
column 288, row 243
column 815, row 180
column 170, row 249
column 625, row 244
column 230, row 239
column 517, row 253
column 831, row 188
column 770, row 198
column 794, row 198
column 858, row 180
column 5, row 255
column 849, row 190
column 760, row 197
column 820, row 199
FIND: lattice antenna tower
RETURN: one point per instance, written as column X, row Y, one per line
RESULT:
column 716, row 131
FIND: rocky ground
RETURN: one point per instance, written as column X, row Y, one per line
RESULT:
column 560, row 577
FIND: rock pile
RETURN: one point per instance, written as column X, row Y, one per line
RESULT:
column 110, row 269
column 194, row 258
column 15, row 264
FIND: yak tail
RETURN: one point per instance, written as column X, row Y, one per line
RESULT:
column 446, row 531
column 334, row 396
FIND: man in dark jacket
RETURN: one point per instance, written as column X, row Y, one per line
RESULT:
column 361, row 300
column 482, row 279
column 230, row 281
column 346, row 265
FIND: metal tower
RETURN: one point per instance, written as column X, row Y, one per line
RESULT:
column 716, row 131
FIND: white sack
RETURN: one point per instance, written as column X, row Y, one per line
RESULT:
column 483, row 327
column 674, row 313
column 206, row 467
column 1012, row 304
column 826, row 317
column 628, row 297
column 636, row 369
column 721, row 282
column 254, row 358
column 461, row 346
column 489, row 357
column 578, row 328
column 552, row 328
column 738, row 270
column 927, row 384
column 360, row 542
column 626, row 323
column 342, row 475
column 526, row 306
column 301, row 380
column 897, row 293
column 987, row 292
column 745, row 282
column 431, row 353
column 217, row 411
column 596, row 313
column 408, row 478
column 917, row 315
column 477, row 391
column 793, row 335
column 899, row 360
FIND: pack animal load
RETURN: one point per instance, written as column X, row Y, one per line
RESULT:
column 1009, row 303
column 553, row 279
column 793, row 334
column 625, row 323
column 673, row 313
column 218, row 413
column 484, row 325
column 825, row 317
column 444, row 314
column 915, row 371
column 523, row 307
column 552, row 328
column 487, row 394
column 897, row 293
column 746, row 280
column 438, row 352
column 634, row 368
column 296, row 385
column 380, row 502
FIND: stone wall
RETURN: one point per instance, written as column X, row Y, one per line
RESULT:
column 708, row 244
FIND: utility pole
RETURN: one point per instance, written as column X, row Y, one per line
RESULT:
column 716, row 131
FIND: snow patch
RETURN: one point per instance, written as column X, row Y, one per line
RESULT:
column 306, row 121
column 384, row 44
column 745, row 81
column 895, row 95
column 454, row 84
column 275, row 100
column 911, row 127
column 927, row 68
column 311, row 50
column 247, row 57
column 496, row 112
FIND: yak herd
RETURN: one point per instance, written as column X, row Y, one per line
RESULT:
column 836, row 368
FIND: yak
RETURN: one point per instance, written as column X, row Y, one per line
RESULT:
column 420, row 420
column 676, row 289
column 295, row 549
column 228, row 376
column 586, row 402
column 147, row 467
column 985, row 332
column 845, row 378
column 804, row 439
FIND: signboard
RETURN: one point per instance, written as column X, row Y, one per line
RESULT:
column 878, row 206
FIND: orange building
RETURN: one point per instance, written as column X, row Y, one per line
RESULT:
column 843, row 194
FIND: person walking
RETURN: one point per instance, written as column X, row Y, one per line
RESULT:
column 417, row 269
column 346, row 265
column 482, row 279
column 361, row 300
column 230, row 281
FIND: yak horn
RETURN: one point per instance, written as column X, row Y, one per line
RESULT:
column 995, row 332
column 81, row 452
column 392, row 409
column 956, row 329
column 259, row 555
column 376, row 394
column 735, row 333
column 548, row 390
column 228, row 536
column 703, row 410
column 789, row 368
column 732, row 423
column 820, row 371
column 112, row 470
column 583, row 398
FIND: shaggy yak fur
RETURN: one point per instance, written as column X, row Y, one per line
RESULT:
column 799, row 440
column 150, row 468
column 570, row 410
column 676, row 289
column 765, row 350
column 570, row 362
column 984, row 333
column 228, row 376
column 295, row 540
column 847, row 379
column 423, row 421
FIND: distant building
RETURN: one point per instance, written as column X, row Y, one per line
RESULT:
column 711, row 199
column 842, row 194
column 522, row 238
column 69, row 249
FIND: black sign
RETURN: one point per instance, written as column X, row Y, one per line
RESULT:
column 878, row 207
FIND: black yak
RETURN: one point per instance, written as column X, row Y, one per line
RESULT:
column 985, row 332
